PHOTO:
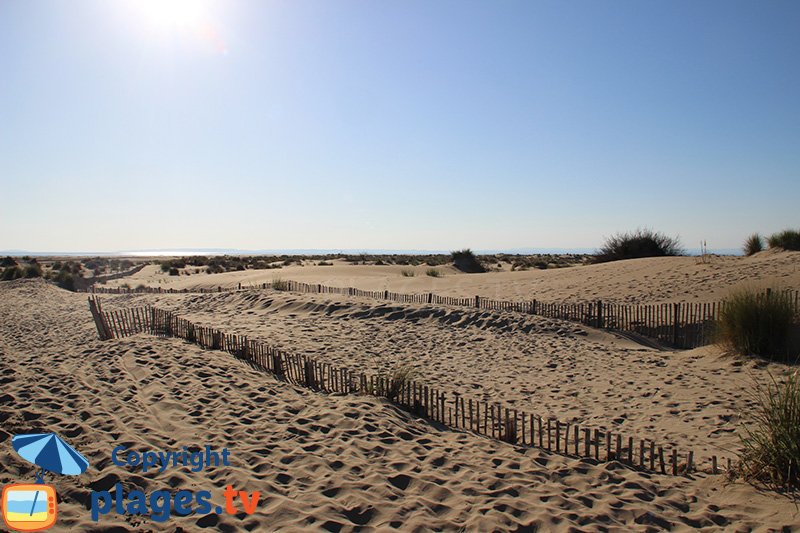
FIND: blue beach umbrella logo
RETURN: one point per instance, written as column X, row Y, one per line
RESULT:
column 34, row 506
column 49, row 452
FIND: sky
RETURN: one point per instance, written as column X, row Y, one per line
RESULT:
column 425, row 125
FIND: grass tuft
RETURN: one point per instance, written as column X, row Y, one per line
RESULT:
column 753, row 244
column 757, row 323
column 401, row 377
column 434, row 273
column 787, row 239
column 280, row 285
column 407, row 273
column 771, row 441
column 638, row 244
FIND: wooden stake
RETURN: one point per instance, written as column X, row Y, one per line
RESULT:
column 587, row 442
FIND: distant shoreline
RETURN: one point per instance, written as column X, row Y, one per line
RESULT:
column 223, row 251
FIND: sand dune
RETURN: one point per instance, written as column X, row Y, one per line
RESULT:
column 691, row 399
column 341, row 462
column 653, row 280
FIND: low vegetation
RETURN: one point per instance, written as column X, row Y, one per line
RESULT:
column 771, row 442
column 398, row 380
column 466, row 261
column 753, row 244
column 638, row 244
column 434, row 273
column 30, row 270
column 407, row 273
column 787, row 239
column 280, row 285
column 758, row 323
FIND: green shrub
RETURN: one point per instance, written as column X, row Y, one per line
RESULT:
column 8, row 261
column 407, row 273
column 787, row 239
column 434, row 273
column 174, row 271
column 753, row 244
column 465, row 261
column 771, row 442
column 637, row 244
column 756, row 323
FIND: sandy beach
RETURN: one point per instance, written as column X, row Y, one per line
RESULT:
column 347, row 463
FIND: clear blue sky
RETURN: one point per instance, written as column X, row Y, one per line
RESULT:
column 406, row 124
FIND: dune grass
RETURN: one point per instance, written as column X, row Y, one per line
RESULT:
column 407, row 273
column 771, row 441
column 396, row 381
column 787, row 239
column 638, row 244
column 434, row 273
column 280, row 285
column 754, row 322
column 753, row 244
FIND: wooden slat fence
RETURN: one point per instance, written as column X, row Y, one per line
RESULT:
column 681, row 325
column 456, row 411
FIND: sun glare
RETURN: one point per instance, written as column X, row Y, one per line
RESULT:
column 184, row 19
column 177, row 14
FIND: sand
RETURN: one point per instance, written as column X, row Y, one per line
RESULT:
column 642, row 281
column 326, row 462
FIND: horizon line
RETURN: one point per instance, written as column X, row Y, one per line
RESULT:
column 168, row 252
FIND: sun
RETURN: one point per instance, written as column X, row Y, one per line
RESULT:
column 186, row 20
column 174, row 14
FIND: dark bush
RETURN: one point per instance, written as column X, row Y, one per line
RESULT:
column 65, row 280
column 637, row 244
column 10, row 273
column 787, row 239
column 8, row 261
column 465, row 261
column 33, row 270
column 174, row 272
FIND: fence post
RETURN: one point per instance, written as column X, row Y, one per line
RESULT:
column 599, row 314
column 676, row 313
column 477, row 301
